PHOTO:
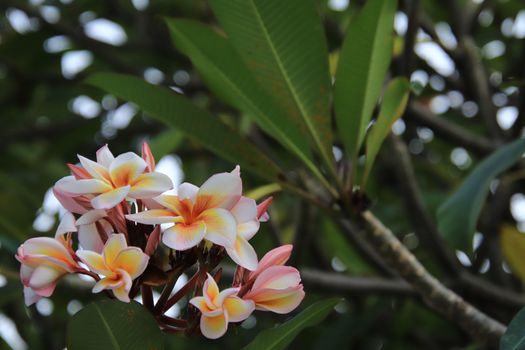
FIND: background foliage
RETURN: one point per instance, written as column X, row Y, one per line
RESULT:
column 464, row 60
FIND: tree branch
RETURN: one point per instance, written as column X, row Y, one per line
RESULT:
column 438, row 297
column 423, row 223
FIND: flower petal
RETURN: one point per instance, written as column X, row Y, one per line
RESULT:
column 91, row 216
column 85, row 186
column 243, row 253
column 30, row 297
column 223, row 295
column 262, row 209
column 132, row 260
column 182, row 237
column 120, row 285
column 210, row 291
column 89, row 238
column 201, row 304
column 114, row 245
column 106, row 283
column 279, row 301
column 275, row 257
column 71, row 204
column 214, row 327
column 122, row 293
column 248, row 229
column 25, row 274
column 148, row 156
column 94, row 169
column 104, row 156
column 125, row 168
column 110, row 199
column 187, row 191
column 67, row 224
column 219, row 191
column 93, row 260
column 154, row 217
column 238, row 309
column 245, row 210
column 182, row 207
column 43, row 276
column 277, row 277
column 150, row 185
column 221, row 227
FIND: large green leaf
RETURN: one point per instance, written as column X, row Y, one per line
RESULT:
column 114, row 325
column 281, row 336
column 180, row 113
column 363, row 63
column 392, row 107
column 283, row 44
column 514, row 337
column 458, row 215
column 227, row 76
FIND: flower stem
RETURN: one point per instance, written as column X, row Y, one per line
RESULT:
column 159, row 306
column 181, row 292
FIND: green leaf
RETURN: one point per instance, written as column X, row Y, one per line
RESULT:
column 260, row 193
column 514, row 337
column 392, row 108
column 363, row 63
column 458, row 215
column 113, row 325
column 166, row 142
column 227, row 76
column 281, row 336
column 284, row 46
column 178, row 112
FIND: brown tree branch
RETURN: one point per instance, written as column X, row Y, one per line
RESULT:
column 438, row 297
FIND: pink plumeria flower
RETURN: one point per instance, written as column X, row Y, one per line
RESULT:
column 275, row 257
column 113, row 179
column 276, row 287
column 118, row 263
column 44, row 261
column 220, row 308
column 198, row 213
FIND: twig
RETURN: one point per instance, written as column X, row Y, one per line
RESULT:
column 168, row 288
column 147, row 297
column 334, row 283
column 181, row 292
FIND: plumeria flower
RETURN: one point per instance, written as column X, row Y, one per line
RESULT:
column 198, row 213
column 275, row 257
column 118, row 263
column 110, row 180
column 276, row 288
column 220, row 308
column 44, row 261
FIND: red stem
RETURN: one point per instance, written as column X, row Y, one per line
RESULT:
column 182, row 292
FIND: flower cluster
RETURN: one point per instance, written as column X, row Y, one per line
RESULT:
column 118, row 215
